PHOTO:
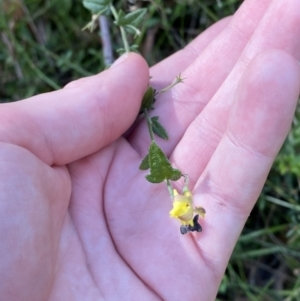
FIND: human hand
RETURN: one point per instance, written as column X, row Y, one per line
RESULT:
column 78, row 219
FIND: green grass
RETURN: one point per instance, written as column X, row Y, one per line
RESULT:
column 43, row 48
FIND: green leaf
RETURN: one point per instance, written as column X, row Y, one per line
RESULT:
column 160, row 167
column 133, row 18
column 176, row 174
column 145, row 163
column 96, row 6
column 132, row 30
column 136, row 16
column 158, row 129
column 154, row 179
column 148, row 99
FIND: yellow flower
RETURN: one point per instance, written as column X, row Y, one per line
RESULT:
column 183, row 207
column 183, row 210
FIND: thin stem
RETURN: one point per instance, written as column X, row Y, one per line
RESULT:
column 149, row 123
column 177, row 81
column 186, row 179
column 170, row 188
column 114, row 12
column 123, row 33
column 124, row 38
column 91, row 25
column 186, row 182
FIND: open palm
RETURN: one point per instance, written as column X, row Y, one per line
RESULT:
column 78, row 220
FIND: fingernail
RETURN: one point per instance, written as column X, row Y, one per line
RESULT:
column 120, row 60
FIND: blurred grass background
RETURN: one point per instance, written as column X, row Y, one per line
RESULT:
column 43, row 48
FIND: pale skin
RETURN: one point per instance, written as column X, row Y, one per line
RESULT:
column 78, row 220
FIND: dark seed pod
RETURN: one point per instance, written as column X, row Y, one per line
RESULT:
column 184, row 229
column 196, row 227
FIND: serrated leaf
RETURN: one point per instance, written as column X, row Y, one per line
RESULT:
column 148, row 99
column 176, row 174
column 145, row 163
column 154, row 179
column 133, row 18
column 160, row 167
column 158, row 129
column 96, row 6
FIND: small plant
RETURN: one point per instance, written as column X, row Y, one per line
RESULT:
column 156, row 161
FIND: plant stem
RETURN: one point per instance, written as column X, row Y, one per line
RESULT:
column 186, row 183
column 177, row 81
column 124, row 38
column 149, row 123
column 123, row 33
column 170, row 188
column 114, row 12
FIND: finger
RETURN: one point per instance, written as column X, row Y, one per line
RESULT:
column 279, row 29
column 63, row 126
column 162, row 74
column 258, row 124
column 165, row 71
column 184, row 102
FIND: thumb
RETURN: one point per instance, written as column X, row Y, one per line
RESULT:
column 66, row 125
